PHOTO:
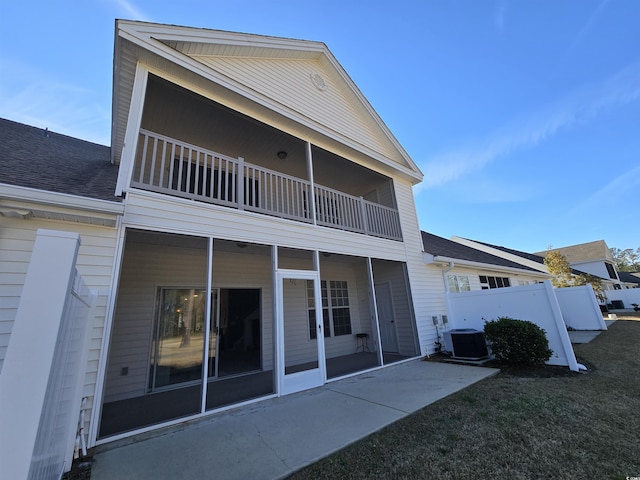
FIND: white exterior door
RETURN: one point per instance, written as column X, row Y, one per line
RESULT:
column 384, row 304
column 301, row 362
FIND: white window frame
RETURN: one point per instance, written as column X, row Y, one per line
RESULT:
column 458, row 283
column 329, row 304
column 487, row 284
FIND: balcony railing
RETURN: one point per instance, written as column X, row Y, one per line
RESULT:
column 168, row 166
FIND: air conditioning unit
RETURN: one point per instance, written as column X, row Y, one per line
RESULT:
column 466, row 344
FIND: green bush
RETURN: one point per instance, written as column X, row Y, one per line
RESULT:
column 517, row 342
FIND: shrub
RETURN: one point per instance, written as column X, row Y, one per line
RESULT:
column 517, row 342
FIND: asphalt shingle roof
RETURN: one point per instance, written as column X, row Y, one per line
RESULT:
column 36, row 158
column 447, row 248
column 629, row 277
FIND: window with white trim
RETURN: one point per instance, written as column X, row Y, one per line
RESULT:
column 458, row 283
column 336, row 315
column 487, row 282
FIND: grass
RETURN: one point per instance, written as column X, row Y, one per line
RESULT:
column 517, row 425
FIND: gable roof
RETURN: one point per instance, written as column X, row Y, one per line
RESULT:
column 448, row 249
column 530, row 259
column 40, row 159
column 534, row 257
column 584, row 252
column 295, row 85
column 629, row 277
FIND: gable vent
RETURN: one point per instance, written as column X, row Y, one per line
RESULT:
column 318, row 81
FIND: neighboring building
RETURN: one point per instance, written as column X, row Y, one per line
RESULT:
column 465, row 268
column 251, row 231
column 593, row 258
column 629, row 279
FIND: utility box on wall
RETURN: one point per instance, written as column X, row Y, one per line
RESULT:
column 466, row 344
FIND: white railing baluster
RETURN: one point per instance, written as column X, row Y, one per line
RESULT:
column 240, row 184
column 232, row 182
column 144, row 158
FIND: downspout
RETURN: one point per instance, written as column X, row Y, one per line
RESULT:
column 444, row 278
column 447, row 305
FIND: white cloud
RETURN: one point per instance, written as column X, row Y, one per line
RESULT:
column 535, row 127
column 500, row 15
column 614, row 193
column 130, row 11
column 31, row 97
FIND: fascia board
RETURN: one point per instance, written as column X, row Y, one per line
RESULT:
column 64, row 200
column 488, row 266
column 540, row 267
column 155, row 46
column 363, row 100
column 203, row 35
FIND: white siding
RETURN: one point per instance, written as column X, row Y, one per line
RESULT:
column 426, row 288
column 474, row 276
column 154, row 211
column 288, row 83
column 94, row 264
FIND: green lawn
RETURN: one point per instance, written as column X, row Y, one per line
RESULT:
column 517, row 425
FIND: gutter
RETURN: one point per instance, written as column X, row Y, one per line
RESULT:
column 64, row 200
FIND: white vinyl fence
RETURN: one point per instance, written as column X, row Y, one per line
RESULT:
column 627, row 296
column 535, row 303
column 44, row 368
column 580, row 308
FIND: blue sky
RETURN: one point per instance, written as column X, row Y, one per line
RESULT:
column 524, row 115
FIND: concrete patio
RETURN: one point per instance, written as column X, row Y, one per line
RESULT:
column 273, row 438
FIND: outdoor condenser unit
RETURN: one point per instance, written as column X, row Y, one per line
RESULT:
column 466, row 344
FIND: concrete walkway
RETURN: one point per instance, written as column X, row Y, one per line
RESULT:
column 273, row 438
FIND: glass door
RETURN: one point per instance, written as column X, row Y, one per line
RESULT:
column 300, row 343
column 179, row 338
column 214, row 329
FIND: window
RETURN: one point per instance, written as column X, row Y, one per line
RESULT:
column 487, row 282
column 336, row 315
column 312, row 310
column 458, row 283
column 611, row 271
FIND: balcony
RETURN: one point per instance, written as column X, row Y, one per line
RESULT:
column 169, row 166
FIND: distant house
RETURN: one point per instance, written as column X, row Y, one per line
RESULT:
column 593, row 258
column 629, row 279
column 250, row 232
column 465, row 268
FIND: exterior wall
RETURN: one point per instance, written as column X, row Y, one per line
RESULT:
column 94, row 263
column 289, row 83
column 157, row 212
column 594, row 268
column 474, row 276
column 426, row 288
